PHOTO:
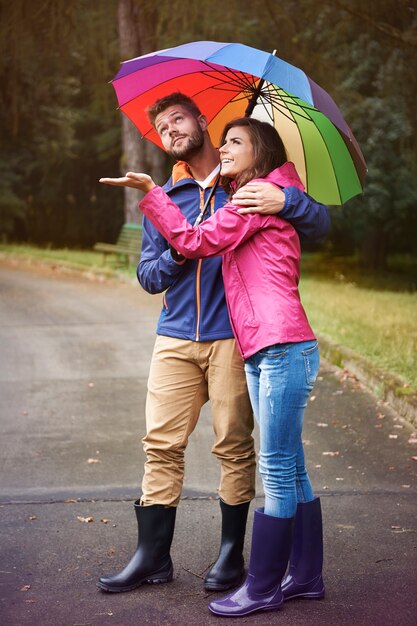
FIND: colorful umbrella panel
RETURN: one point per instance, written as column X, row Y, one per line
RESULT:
column 223, row 78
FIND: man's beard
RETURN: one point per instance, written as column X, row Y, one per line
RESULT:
column 193, row 145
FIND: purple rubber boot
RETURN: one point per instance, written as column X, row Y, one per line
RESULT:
column 304, row 578
column 270, row 550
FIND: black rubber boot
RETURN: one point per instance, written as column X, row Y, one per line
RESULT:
column 261, row 591
column 228, row 570
column 151, row 563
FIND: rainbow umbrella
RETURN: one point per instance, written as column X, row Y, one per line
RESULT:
column 229, row 80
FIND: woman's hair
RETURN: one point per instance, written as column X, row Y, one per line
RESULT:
column 268, row 150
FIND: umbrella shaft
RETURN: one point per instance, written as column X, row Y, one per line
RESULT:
column 254, row 98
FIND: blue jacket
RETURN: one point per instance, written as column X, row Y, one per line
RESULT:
column 194, row 304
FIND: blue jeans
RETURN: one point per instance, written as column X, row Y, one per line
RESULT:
column 280, row 378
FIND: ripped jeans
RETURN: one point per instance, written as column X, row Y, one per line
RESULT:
column 280, row 378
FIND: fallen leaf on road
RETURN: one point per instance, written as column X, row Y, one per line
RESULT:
column 412, row 440
column 398, row 426
column 414, row 458
column 340, row 479
column 331, row 453
column 105, row 521
column 406, row 486
column 322, row 425
column 105, row 613
column 25, row 588
column 87, row 520
column 346, row 375
column 91, row 384
column 91, row 461
column 380, row 416
column 393, row 436
column 312, row 398
column 318, row 466
column 32, row 517
column 346, row 526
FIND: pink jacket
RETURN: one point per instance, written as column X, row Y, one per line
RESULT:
column 261, row 264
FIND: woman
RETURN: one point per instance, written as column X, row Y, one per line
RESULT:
column 261, row 258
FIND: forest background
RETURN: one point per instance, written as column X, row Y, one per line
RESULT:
column 60, row 129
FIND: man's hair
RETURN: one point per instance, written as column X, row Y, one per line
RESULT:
column 170, row 100
column 268, row 149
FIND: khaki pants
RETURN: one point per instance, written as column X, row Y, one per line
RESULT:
column 183, row 376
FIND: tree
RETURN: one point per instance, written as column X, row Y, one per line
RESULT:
column 60, row 128
column 55, row 59
column 369, row 55
column 137, row 23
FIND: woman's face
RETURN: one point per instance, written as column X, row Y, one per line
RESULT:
column 236, row 154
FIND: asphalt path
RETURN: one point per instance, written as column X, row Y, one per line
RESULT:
column 75, row 353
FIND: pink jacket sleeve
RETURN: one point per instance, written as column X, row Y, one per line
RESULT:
column 225, row 230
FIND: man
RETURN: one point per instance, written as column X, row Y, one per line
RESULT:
column 195, row 359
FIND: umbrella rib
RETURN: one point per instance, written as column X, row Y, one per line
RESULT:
column 241, row 78
column 276, row 100
column 236, row 84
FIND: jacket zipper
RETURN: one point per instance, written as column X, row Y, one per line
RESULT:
column 198, row 273
column 197, row 281
column 197, row 297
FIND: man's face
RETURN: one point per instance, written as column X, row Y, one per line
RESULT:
column 180, row 131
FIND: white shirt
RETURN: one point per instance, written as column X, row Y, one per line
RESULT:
column 205, row 183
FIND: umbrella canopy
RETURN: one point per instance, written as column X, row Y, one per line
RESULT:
column 229, row 80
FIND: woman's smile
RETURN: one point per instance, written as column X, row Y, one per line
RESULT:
column 236, row 154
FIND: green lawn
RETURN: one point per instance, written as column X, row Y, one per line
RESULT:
column 380, row 325
column 373, row 314
column 75, row 259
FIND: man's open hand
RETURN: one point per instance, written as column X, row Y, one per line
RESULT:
column 133, row 180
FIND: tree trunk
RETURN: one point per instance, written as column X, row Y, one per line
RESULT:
column 138, row 155
column 374, row 249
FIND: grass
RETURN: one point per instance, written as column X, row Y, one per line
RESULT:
column 374, row 315
column 379, row 325
column 86, row 260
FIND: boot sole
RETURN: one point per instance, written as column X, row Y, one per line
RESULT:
column 259, row 610
column 157, row 580
column 221, row 587
column 307, row 596
column 224, row 587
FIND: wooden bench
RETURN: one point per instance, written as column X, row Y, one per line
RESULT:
column 127, row 246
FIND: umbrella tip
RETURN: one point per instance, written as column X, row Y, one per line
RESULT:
column 274, row 53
